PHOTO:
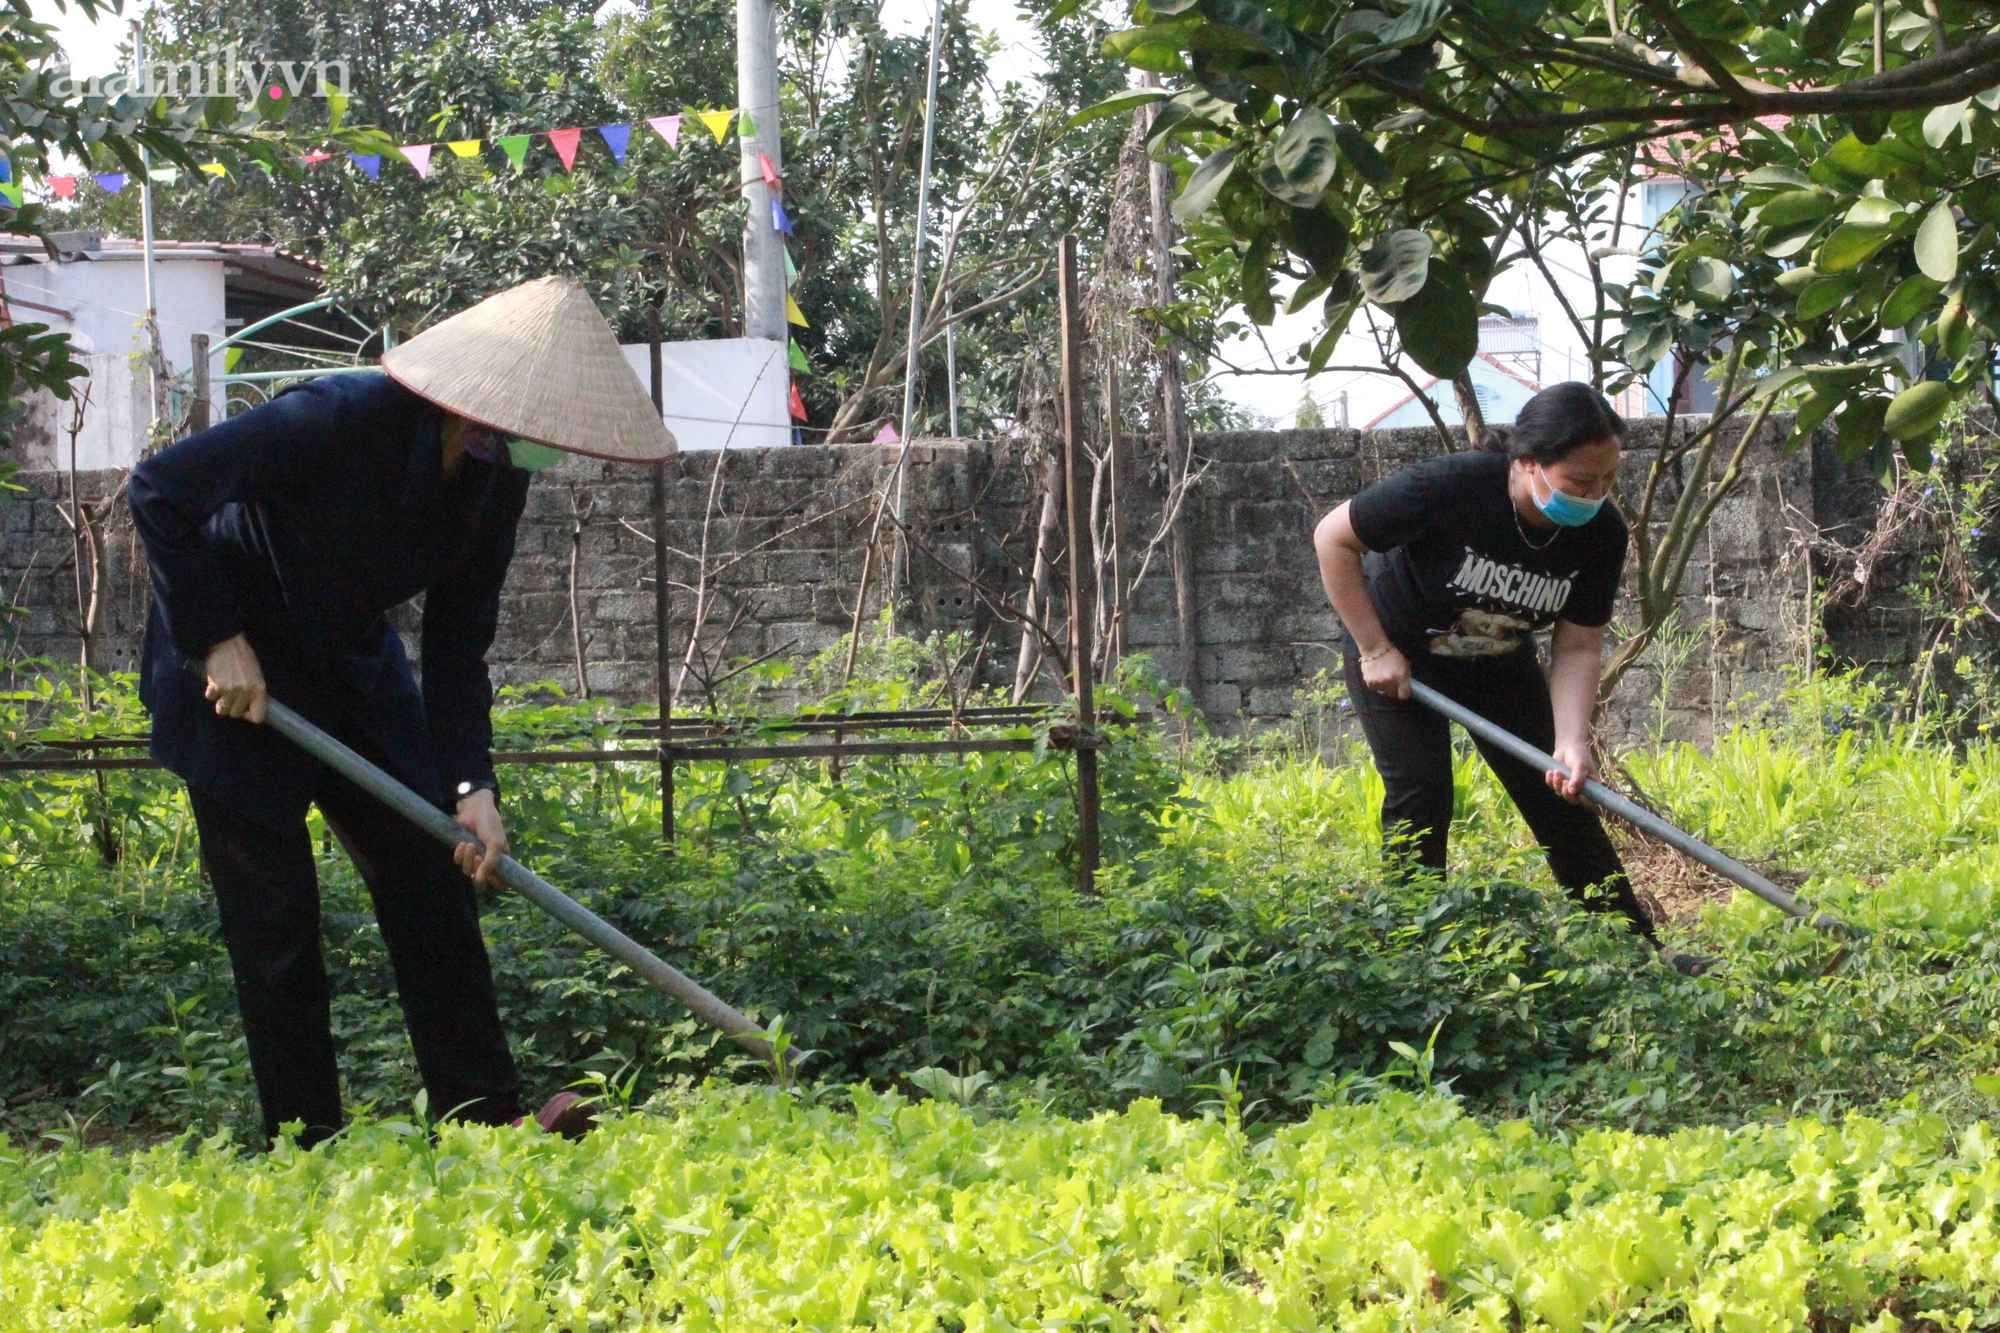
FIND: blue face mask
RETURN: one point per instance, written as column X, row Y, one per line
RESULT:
column 1563, row 509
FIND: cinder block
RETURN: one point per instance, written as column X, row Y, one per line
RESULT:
column 1245, row 592
column 1152, row 631
column 799, row 567
column 607, row 608
column 1220, row 700
column 1256, row 662
column 1271, row 701
column 781, row 601
column 1216, row 627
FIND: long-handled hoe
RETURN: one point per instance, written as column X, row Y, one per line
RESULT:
column 1648, row 822
column 661, row 975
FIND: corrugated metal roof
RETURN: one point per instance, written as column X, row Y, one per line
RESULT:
column 270, row 260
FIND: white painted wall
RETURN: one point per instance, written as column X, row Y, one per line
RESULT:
column 106, row 297
column 724, row 393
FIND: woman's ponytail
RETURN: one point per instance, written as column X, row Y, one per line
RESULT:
column 1496, row 440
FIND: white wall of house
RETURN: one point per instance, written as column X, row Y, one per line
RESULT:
column 1501, row 390
column 1558, row 352
column 105, row 297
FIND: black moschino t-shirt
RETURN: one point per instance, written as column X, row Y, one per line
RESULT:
column 1450, row 572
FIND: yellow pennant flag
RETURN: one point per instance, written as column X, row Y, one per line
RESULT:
column 215, row 168
column 464, row 147
column 717, row 122
column 793, row 313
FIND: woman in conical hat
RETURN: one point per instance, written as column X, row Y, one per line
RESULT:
column 279, row 540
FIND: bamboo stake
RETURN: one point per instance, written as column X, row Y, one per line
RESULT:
column 662, row 595
column 1080, row 627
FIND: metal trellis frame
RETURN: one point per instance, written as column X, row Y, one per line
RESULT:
column 350, row 353
column 669, row 740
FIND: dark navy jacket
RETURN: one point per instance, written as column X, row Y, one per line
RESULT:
column 300, row 524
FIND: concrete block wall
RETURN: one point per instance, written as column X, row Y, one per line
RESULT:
column 782, row 533
column 38, row 572
column 785, row 530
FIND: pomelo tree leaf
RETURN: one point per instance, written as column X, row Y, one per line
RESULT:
column 1199, row 194
column 1439, row 325
column 1393, row 269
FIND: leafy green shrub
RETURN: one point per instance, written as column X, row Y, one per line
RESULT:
column 915, row 914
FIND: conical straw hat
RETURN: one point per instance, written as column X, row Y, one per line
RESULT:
column 539, row 362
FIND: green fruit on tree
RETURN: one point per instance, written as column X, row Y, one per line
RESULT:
column 1954, row 327
column 1916, row 411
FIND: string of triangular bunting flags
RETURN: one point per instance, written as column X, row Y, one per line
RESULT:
column 566, row 142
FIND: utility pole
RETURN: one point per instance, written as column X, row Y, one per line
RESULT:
column 757, row 100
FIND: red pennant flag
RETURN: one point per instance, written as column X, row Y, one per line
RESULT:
column 419, row 155
column 770, row 172
column 314, row 158
column 64, row 186
column 798, row 404
column 668, row 128
column 565, row 142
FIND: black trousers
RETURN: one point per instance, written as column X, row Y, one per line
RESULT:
column 267, row 887
column 1412, row 747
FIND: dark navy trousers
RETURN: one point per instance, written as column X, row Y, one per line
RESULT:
column 1412, row 748
column 266, row 883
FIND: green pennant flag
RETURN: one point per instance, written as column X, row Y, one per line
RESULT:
column 744, row 125
column 798, row 361
column 515, row 146
column 791, row 269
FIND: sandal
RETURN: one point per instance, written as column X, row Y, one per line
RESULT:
column 1687, row 964
column 566, row 1113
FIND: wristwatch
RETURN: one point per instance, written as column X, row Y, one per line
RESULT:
column 465, row 789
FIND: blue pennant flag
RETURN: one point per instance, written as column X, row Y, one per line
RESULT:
column 110, row 182
column 6, row 170
column 368, row 162
column 779, row 222
column 617, row 138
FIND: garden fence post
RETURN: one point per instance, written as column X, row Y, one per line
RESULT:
column 1081, row 559
column 662, row 601
column 198, row 403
